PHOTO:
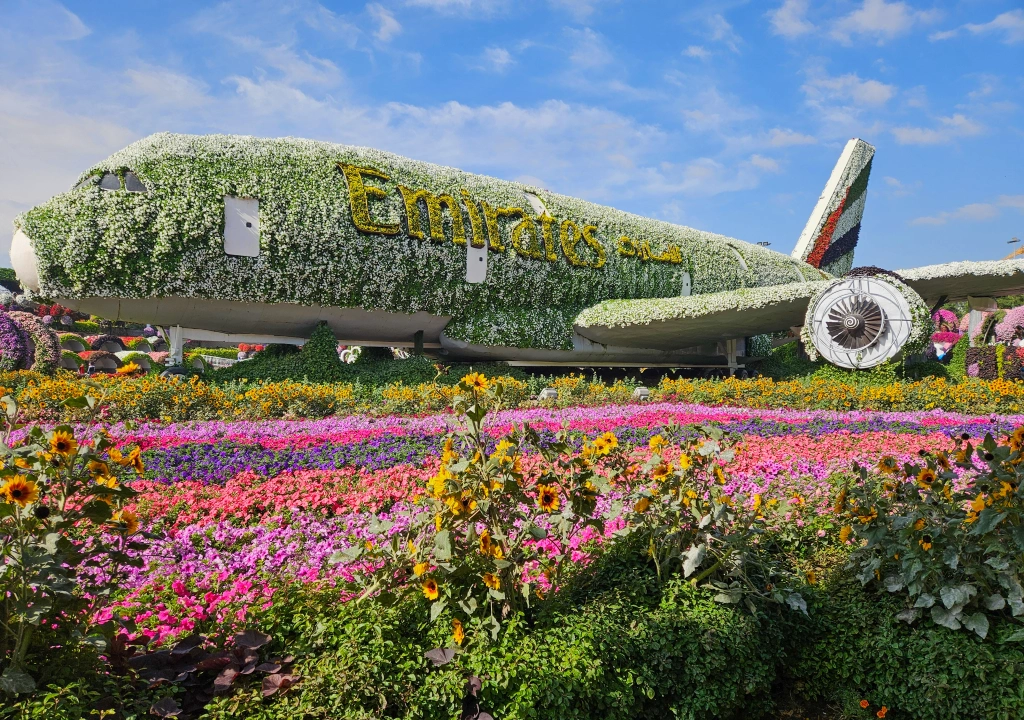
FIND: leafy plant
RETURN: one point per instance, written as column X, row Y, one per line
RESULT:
column 64, row 537
column 689, row 523
column 949, row 533
column 487, row 541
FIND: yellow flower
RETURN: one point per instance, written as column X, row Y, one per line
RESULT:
column 943, row 460
column 720, row 476
column 919, row 524
column 420, row 568
column 657, row 444
column 127, row 520
column 812, row 577
column 661, row 472
column 63, row 442
column 430, row 589
column 756, row 505
column 98, row 467
column 685, row 462
column 926, row 542
column 844, row 533
column 476, row 381
column 840, row 505
column 127, row 369
column 642, row 505
column 888, row 465
column 485, row 542
column 492, row 581
column 547, row 497
column 458, row 634
column 20, row 491
column 926, row 477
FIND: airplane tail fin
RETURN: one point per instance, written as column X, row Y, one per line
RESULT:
column 831, row 233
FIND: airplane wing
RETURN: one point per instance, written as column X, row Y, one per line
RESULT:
column 957, row 280
column 678, row 322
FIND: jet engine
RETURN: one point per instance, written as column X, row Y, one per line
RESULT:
column 860, row 322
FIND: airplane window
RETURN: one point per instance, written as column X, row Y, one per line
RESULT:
column 91, row 180
column 110, row 181
column 132, row 183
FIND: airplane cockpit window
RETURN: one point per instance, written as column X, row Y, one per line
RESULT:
column 110, row 181
column 90, row 180
column 132, row 183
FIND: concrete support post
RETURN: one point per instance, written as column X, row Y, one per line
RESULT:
column 177, row 343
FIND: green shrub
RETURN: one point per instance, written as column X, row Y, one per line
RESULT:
column 957, row 368
column 855, row 649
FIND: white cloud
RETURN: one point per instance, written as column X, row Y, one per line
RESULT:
column 881, row 20
column 721, row 31
column 161, row 86
column 764, row 163
column 713, row 111
column 697, row 51
column 387, row 25
column 704, row 176
column 850, row 88
column 461, row 6
column 974, row 212
column 949, row 128
column 788, row 19
column 782, row 137
column 1010, row 24
column 495, row 59
column 579, row 9
column 589, row 48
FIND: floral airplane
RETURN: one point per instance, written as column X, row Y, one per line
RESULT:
column 266, row 238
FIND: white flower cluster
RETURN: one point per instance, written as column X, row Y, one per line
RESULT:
column 623, row 313
column 982, row 268
column 169, row 241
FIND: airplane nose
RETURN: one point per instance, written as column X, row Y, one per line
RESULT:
column 23, row 260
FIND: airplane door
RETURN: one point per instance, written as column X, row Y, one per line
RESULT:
column 476, row 263
column 241, row 226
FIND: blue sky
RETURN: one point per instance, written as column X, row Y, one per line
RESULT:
column 723, row 115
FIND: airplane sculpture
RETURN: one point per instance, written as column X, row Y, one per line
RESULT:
column 261, row 239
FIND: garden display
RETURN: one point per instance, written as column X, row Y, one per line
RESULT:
column 366, row 565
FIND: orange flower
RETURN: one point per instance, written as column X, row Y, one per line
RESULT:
column 864, row 704
column 458, row 634
column 19, row 491
column 881, row 713
column 430, row 589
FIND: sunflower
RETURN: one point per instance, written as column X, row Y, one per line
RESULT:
column 430, row 589
column 420, row 568
column 486, row 544
column 63, row 442
column 866, row 515
column 642, row 505
column 926, row 477
column 840, row 502
column 888, row 465
column 925, row 542
column 1017, row 438
column 492, row 581
column 458, row 634
column 720, row 476
column 943, row 460
column 657, row 444
column 547, row 497
column 135, row 460
column 757, row 502
column 128, row 522
column 812, row 577
column 476, row 381
column 919, row 524
column 844, row 533
column 117, row 456
column 98, row 467
column 685, row 462
column 20, row 491
column 661, row 472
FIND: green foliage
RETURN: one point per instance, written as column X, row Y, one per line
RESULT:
column 854, row 648
column 319, row 356
column 952, row 551
column 957, row 368
column 8, row 274
column 60, row 518
column 88, row 327
column 618, row 645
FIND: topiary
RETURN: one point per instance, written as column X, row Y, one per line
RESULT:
column 14, row 344
column 46, row 353
column 957, row 368
column 319, row 357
